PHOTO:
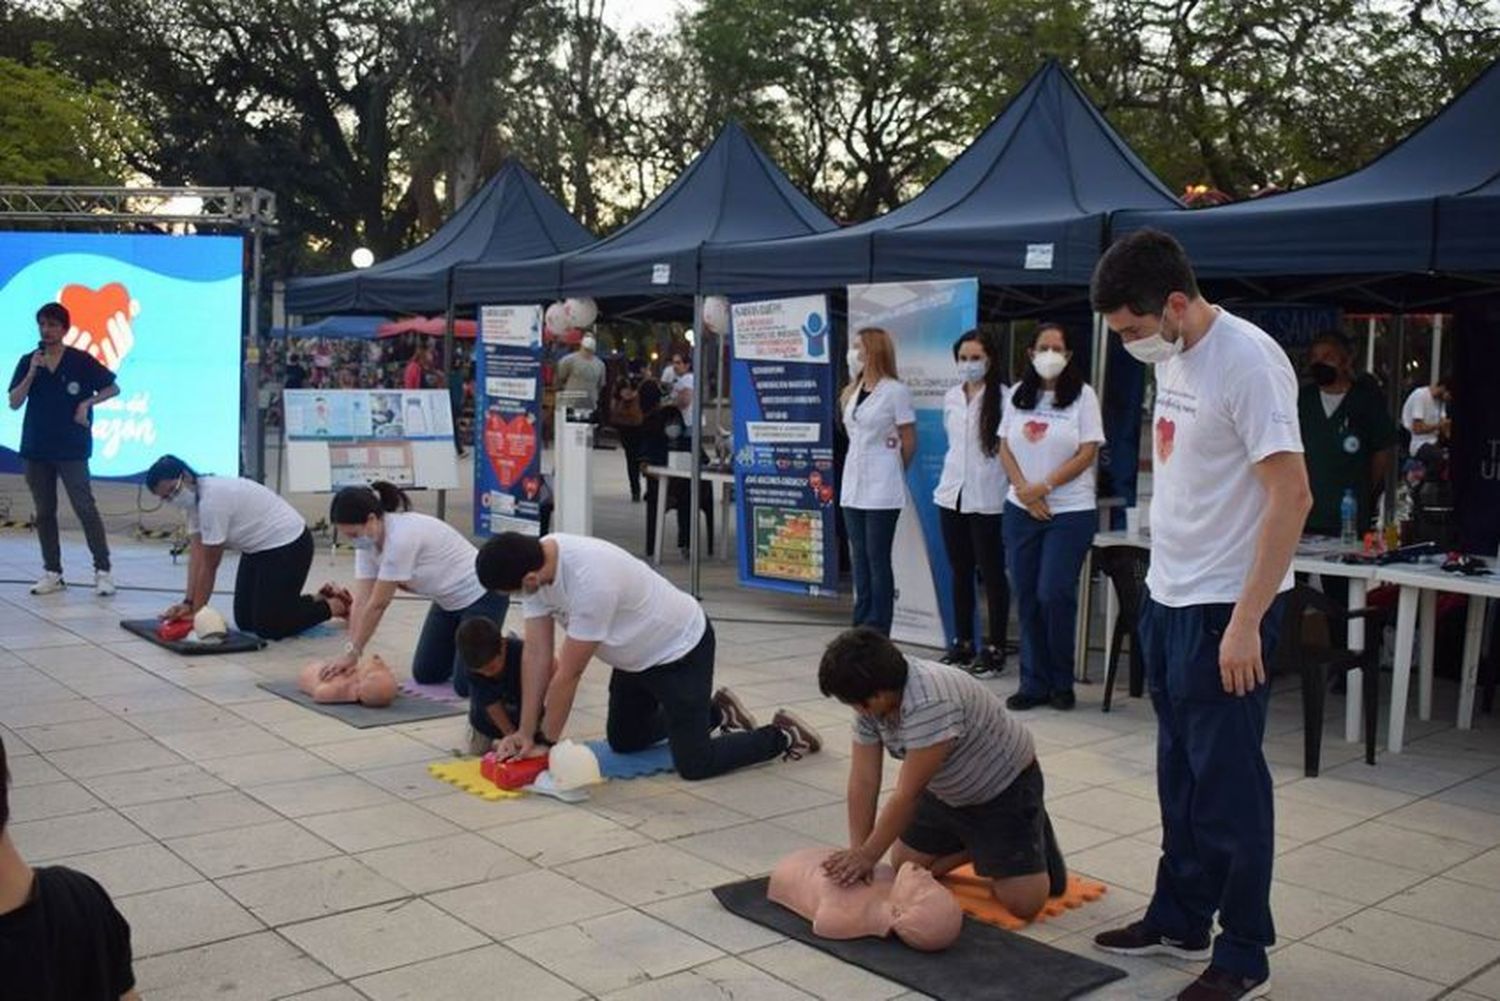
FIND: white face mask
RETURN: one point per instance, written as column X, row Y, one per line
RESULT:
column 972, row 369
column 1155, row 349
column 1049, row 364
column 856, row 362
column 362, row 542
column 182, row 497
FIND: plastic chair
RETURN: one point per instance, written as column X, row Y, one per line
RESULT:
column 1125, row 567
column 1316, row 663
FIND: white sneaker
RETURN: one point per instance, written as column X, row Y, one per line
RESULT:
column 104, row 584
column 49, row 583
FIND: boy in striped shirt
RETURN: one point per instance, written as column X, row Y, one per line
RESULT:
column 969, row 790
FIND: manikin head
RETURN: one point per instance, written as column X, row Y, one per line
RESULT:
column 911, row 903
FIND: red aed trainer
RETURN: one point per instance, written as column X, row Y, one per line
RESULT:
column 512, row 775
column 172, row 630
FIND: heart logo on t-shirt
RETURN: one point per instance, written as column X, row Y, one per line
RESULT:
column 102, row 321
column 510, row 446
column 1166, row 434
column 1034, row 431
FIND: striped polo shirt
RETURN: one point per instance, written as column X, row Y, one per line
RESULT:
column 990, row 746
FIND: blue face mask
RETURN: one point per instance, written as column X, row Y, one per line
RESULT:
column 972, row 370
column 363, row 542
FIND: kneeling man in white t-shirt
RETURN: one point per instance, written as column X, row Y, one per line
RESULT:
column 1230, row 495
column 656, row 638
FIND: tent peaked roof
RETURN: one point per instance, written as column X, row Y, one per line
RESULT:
column 732, row 192
column 1024, row 204
column 511, row 217
column 1380, row 219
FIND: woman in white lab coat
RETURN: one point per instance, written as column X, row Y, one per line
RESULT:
column 882, row 428
column 970, row 497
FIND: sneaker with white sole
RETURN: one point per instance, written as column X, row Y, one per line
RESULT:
column 1140, row 939
column 733, row 716
column 104, row 584
column 49, row 583
column 801, row 738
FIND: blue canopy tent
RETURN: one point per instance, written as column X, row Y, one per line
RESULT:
column 1026, row 205
column 511, row 218
column 339, row 327
column 1403, row 230
column 731, row 193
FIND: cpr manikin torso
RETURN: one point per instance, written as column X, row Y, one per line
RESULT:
column 921, row 912
column 371, row 683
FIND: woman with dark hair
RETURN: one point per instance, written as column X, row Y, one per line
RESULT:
column 275, row 547
column 882, row 427
column 970, row 497
column 1049, row 441
column 396, row 548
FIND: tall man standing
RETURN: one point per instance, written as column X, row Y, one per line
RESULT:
column 1230, row 498
column 61, row 386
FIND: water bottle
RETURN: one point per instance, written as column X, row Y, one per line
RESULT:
column 1348, row 514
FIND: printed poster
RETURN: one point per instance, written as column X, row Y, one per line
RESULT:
column 369, row 434
column 782, row 388
column 924, row 319
column 507, row 410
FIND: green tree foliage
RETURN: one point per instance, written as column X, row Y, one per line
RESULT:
column 54, row 130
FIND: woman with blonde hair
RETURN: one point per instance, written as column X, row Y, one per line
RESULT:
column 882, row 427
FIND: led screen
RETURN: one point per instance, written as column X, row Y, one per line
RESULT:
column 163, row 312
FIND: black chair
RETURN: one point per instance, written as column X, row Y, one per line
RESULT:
column 1317, row 663
column 1125, row 567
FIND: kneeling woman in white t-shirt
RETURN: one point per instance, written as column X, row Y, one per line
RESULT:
column 395, row 549
column 1049, row 441
column 275, row 547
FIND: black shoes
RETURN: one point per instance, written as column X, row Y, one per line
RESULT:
column 959, row 655
column 1140, row 939
column 1021, row 701
column 989, row 661
column 1218, row 984
column 1064, row 700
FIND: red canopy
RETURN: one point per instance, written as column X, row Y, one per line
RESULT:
column 431, row 326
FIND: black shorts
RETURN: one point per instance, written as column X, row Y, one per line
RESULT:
column 1006, row 836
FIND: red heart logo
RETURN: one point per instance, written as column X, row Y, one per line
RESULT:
column 510, row 446
column 1166, row 433
column 825, row 494
column 101, row 321
column 1034, row 431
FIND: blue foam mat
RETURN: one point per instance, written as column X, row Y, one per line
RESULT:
column 614, row 765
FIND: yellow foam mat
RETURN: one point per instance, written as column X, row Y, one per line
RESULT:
column 973, row 894
column 464, row 773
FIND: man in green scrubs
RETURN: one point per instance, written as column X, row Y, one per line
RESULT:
column 1347, row 432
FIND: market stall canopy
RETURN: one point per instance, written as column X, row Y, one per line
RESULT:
column 341, row 328
column 511, row 218
column 1431, row 202
column 731, row 193
column 429, row 326
column 1024, row 205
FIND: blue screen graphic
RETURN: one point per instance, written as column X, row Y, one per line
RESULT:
column 163, row 312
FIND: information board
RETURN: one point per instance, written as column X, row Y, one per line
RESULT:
column 508, row 421
column 341, row 437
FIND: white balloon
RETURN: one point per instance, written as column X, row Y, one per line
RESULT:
column 556, row 320
column 573, row 766
column 716, row 314
column 580, row 313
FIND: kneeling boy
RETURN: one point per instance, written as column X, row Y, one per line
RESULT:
column 970, row 787
column 493, row 661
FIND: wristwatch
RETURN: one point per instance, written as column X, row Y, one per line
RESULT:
column 541, row 738
column 350, row 648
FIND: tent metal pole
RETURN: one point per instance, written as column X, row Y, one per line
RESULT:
column 1370, row 346
column 1101, row 352
column 1436, row 374
column 695, row 433
column 279, row 319
column 253, row 411
column 1394, row 401
column 721, row 346
column 442, row 494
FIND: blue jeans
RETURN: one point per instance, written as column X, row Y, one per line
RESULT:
column 1044, row 558
column 1218, row 824
column 436, row 658
column 871, row 535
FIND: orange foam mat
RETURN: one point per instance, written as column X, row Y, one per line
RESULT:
column 973, row 893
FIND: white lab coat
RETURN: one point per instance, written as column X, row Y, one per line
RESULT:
column 874, row 477
column 970, row 478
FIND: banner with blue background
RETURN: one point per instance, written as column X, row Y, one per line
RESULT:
column 782, row 388
column 923, row 319
column 164, row 313
column 508, row 420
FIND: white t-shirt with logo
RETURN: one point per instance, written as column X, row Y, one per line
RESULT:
column 427, row 556
column 1222, row 406
column 874, row 476
column 243, row 515
column 1422, row 406
column 1047, row 436
column 603, row 594
column 972, row 482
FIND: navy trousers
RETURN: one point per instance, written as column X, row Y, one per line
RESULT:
column 1215, row 789
column 872, row 534
column 1044, row 559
